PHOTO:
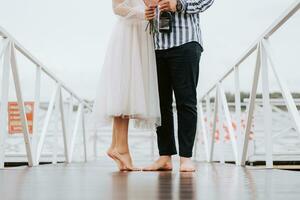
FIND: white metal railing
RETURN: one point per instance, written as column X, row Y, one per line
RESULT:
column 263, row 50
column 34, row 144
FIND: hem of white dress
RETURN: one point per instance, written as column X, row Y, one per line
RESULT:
column 139, row 121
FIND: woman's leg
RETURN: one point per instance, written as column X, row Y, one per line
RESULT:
column 116, row 127
column 113, row 139
column 121, row 150
column 122, row 136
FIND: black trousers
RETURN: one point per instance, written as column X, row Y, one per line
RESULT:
column 178, row 70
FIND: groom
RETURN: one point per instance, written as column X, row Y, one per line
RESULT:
column 178, row 54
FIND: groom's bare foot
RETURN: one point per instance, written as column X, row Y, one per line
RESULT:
column 164, row 163
column 187, row 165
column 124, row 159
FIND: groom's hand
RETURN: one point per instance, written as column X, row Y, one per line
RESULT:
column 149, row 13
column 167, row 5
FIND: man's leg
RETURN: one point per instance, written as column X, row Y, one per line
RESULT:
column 165, row 133
column 185, row 70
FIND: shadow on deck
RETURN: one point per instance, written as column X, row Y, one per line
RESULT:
column 100, row 180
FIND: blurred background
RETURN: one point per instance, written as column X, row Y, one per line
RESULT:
column 70, row 37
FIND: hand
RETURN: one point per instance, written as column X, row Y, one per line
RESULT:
column 167, row 5
column 149, row 13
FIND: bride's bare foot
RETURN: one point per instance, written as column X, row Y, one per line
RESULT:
column 111, row 155
column 164, row 163
column 125, row 160
column 187, row 165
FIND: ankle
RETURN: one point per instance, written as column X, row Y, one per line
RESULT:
column 122, row 150
column 166, row 158
column 111, row 148
column 185, row 159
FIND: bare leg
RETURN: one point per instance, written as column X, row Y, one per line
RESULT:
column 164, row 163
column 122, row 136
column 187, row 165
column 116, row 125
column 121, row 150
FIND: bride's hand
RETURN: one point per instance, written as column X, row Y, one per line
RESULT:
column 149, row 13
column 167, row 5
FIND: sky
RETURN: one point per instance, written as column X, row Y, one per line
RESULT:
column 70, row 37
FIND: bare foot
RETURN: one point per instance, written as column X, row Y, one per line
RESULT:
column 125, row 160
column 119, row 164
column 187, row 165
column 164, row 163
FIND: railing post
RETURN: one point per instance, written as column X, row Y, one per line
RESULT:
column 224, row 104
column 57, row 113
column 84, row 135
column 212, row 142
column 286, row 93
column 220, row 128
column 4, row 47
column 267, row 108
column 21, row 106
column 35, row 131
column 251, row 106
column 4, row 99
column 238, row 111
column 46, row 123
column 35, row 143
column 63, row 126
column 203, row 130
column 208, row 112
column 262, row 46
column 95, row 146
column 55, row 137
column 76, row 127
column 70, row 119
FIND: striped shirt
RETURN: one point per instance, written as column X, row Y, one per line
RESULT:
column 185, row 25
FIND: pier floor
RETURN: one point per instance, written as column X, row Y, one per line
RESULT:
column 100, row 180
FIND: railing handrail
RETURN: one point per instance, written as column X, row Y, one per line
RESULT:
column 272, row 101
column 266, row 34
column 38, row 63
column 34, row 145
column 240, row 137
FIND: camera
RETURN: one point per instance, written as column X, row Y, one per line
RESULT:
column 165, row 22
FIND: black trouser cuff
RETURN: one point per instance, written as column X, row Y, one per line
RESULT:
column 167, row 153
column 186, row 155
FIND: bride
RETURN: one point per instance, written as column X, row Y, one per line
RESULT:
column 128, row 88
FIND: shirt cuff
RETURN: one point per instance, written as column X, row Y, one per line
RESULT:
column 184, row 5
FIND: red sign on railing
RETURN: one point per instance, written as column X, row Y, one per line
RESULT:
column 14, row 119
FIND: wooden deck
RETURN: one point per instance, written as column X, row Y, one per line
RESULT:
column 99, row 180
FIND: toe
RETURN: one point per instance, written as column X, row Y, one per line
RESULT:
column 147, row 169
column 136, row 169
column 187, row 169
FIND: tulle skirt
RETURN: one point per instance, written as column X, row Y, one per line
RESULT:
column 128, row 81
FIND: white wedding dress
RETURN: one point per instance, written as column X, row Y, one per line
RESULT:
column 128, row 83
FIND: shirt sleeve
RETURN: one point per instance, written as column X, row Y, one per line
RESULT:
column 195, row 6
column 123, row 9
